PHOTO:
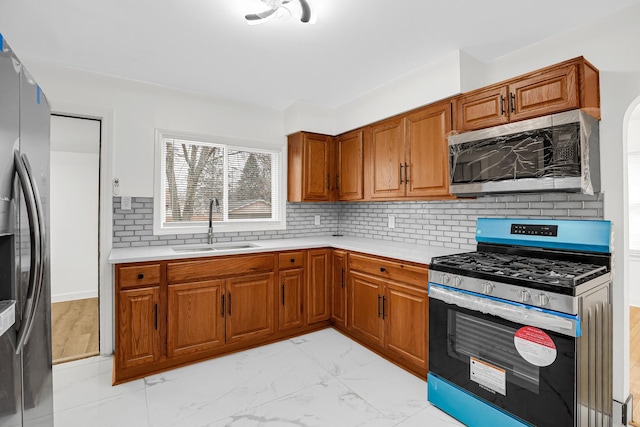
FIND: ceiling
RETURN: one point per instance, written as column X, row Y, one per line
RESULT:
column 205, row 46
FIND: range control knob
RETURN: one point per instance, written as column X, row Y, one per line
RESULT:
column 457, row 281
column 445, row 278
column 487, row 288
column 543, row 299
column 524, row 295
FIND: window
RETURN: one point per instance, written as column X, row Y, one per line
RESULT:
column 633, row 168
column 200, row 178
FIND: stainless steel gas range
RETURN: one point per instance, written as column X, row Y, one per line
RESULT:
column 520, row 330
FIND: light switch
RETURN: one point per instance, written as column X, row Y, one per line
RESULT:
column 125, row 203
column 317, row 221
column 392, row 221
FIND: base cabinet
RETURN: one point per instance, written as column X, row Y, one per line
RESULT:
column 195, row 317
column 388, row 309
column 249, row 305
column 318, row 295
column 339, row 287
column 137, row 327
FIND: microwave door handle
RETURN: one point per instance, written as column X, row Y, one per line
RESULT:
column 43, row 245
column 34, row 273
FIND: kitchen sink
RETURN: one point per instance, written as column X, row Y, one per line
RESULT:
column 213, row 247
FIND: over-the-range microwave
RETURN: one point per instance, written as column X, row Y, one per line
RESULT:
column 559, row 152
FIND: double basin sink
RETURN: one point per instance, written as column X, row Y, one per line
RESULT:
column 215, row 247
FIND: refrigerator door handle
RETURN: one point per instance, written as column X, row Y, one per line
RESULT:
column 35, row 273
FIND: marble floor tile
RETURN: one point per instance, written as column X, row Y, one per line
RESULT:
column 319, row 379
column 392, row 390
column 334, row 352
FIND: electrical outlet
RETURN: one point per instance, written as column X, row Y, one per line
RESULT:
column 392, row 221
column 125, row 203
column 317, row 220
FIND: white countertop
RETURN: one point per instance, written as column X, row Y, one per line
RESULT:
column 398, row 250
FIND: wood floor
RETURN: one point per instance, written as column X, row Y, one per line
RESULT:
column 74, row 329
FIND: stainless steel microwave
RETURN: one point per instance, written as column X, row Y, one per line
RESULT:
column 559, row 152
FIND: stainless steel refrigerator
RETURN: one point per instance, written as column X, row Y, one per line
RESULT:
column 26, row 394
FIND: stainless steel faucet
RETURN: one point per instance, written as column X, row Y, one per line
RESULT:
column 214, row 200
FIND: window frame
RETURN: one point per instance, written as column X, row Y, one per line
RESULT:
column 236, row 225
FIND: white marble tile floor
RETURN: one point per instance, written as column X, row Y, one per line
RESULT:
column 321, row 379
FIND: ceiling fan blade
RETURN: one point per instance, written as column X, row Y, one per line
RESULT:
column 306, row 11
column 256, row 18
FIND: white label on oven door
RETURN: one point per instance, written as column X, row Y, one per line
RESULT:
column 488, row 376
column 535, row 346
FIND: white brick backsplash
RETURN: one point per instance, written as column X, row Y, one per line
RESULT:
column 449, row 223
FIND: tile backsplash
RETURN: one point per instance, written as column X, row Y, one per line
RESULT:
column 449, row 223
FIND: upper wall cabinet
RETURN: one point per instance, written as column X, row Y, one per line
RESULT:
column 408, row 157
column 311, row 168
column 349, row 178
column 565, row 86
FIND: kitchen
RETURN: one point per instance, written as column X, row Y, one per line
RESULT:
column 131, row 111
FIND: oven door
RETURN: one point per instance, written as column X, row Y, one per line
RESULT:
column 524, row 370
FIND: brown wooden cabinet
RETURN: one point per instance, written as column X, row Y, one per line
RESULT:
column 408, row 155
column 311, row 160
column 339, row 287
column 138, row 334
column 249, row 306
column 195, row 317
column 318, row 291
column 388, row 308
column 561, row 87
column 292, row 275
column 138, row 328
column 350, row 163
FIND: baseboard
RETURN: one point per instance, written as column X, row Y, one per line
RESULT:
column 74, row 296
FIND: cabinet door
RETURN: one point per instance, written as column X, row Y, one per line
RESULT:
column 365, row 306
column 138, row 332
column 349, row 177
column 318, row 295
column 195, row 317
column 483, row 108
column 428, row 152
column 316, row 176
column 406, row 313
column 338, row 287
column 290, row 307
column 249, row 306
column 387, row 159
column 550, row 92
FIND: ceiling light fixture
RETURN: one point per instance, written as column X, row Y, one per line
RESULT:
column 298, row 8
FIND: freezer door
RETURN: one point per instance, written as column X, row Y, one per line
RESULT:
column 10, row 363
column 36, row 354
column 9, row 130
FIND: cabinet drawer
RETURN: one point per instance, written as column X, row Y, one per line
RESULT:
column 187, row 271
column 139, row 275
column 398, row 271
column 291, row 260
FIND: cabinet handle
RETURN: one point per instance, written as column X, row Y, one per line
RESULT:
column 379, row 297
column 512, row 102
column 337, row 182
column 229, row 304
column 342, row 280
column 140, row 276
column 501, row 105
column 382, row 269
column 406, row 173
column 222, row 305
column 283, row 294
column 328, row 181
column 384, row 300
column 293, row 260
column 155, row 320
column 401, row 166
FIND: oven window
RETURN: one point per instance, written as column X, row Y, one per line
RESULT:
column 471, row 336
column 550, row 152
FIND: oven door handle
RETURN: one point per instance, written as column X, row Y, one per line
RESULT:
column 514, row 312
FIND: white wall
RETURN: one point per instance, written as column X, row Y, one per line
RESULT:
column 74, row 225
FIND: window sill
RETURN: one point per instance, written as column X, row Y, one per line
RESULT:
column 220, row 228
